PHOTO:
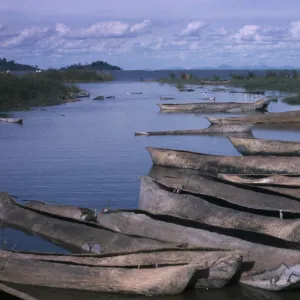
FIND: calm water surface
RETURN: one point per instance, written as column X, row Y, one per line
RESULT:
column 86, row 153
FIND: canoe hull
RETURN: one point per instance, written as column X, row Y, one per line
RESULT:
column 269, row 118
column 253, row 146
column 230, row 107
column 215, row 164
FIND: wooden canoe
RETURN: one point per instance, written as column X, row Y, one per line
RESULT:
column 215, row 164
column 149, row 281
column 230, row 107
column 214, row 82
column 214, row 268
column 275, row 180
column 72, row 234
column 158, row 198
column 213, row 129
column 258, row 259
column 11, row 120
column 236, row 197
column 67, row 211
column 267, row 118
column 253, row 146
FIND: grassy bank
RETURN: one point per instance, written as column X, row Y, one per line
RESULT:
column 284, row 81
column 43, row 89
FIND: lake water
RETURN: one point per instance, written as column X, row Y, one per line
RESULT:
column 86, row 154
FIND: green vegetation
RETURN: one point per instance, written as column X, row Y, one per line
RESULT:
column 73, row 75
column 180, row 86
column 23, row 92
column 96, row 66
column 13, row 66
column 287, row 82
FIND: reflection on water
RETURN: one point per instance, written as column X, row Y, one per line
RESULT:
column 86, row 154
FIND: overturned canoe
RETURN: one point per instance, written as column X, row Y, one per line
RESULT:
column 11, row 120
column 214, row 129
column 268, row 118
column 99, row 98
column 277, row 180
column 253, row 146
column 224, row 194
column 230, row 107
column 215, row 164
column 218, row 267
column 157, row 198
column 75, row 235
column 168, row 280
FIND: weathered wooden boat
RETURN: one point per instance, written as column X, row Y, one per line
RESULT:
column 214, row 129
column 99, row 98
column 167, row 280
column 81, row 94
column 214, row 268
column 166, row 98
column 276, row 180
column 248, row 92
column 208, row 98
column 72, row 234
column 159, row 199
column 254, row 146
column 267, row 118
column 186, row 90
column 236, row 197
column 135, row 93
column 230, row 107
column 215, row 164
column 215, row 82
column 11, row 120
column 73, row 212
column 258, row 259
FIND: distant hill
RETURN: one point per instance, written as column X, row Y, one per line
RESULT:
column 96, row 65
column 13, row 66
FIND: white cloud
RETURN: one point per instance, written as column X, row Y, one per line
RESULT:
column 295, row 29
column 27, row 36
column 107, row 29
column 140, row 27
column 193, row 29
column 248, row 33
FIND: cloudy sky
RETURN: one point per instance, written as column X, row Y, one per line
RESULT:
column 139, row 34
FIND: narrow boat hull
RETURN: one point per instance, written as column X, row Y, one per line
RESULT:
column 215, row 164
column 268, row 118
column 253, row 146
column 230, row 107
column 213, row 129
column 11, row 120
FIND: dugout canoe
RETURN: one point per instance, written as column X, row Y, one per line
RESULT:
column 267, row 118
column 275, row 180
column 230, row 107
column 254, row 146
column 73, row 212
column 158, row 198
column 214, row 268
column 213, row 129
column 72, row 234
column 149, row 281
column 258, row 259
column 215, row 82
column 11, row 120
column 227, row 195
column 215, row 164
